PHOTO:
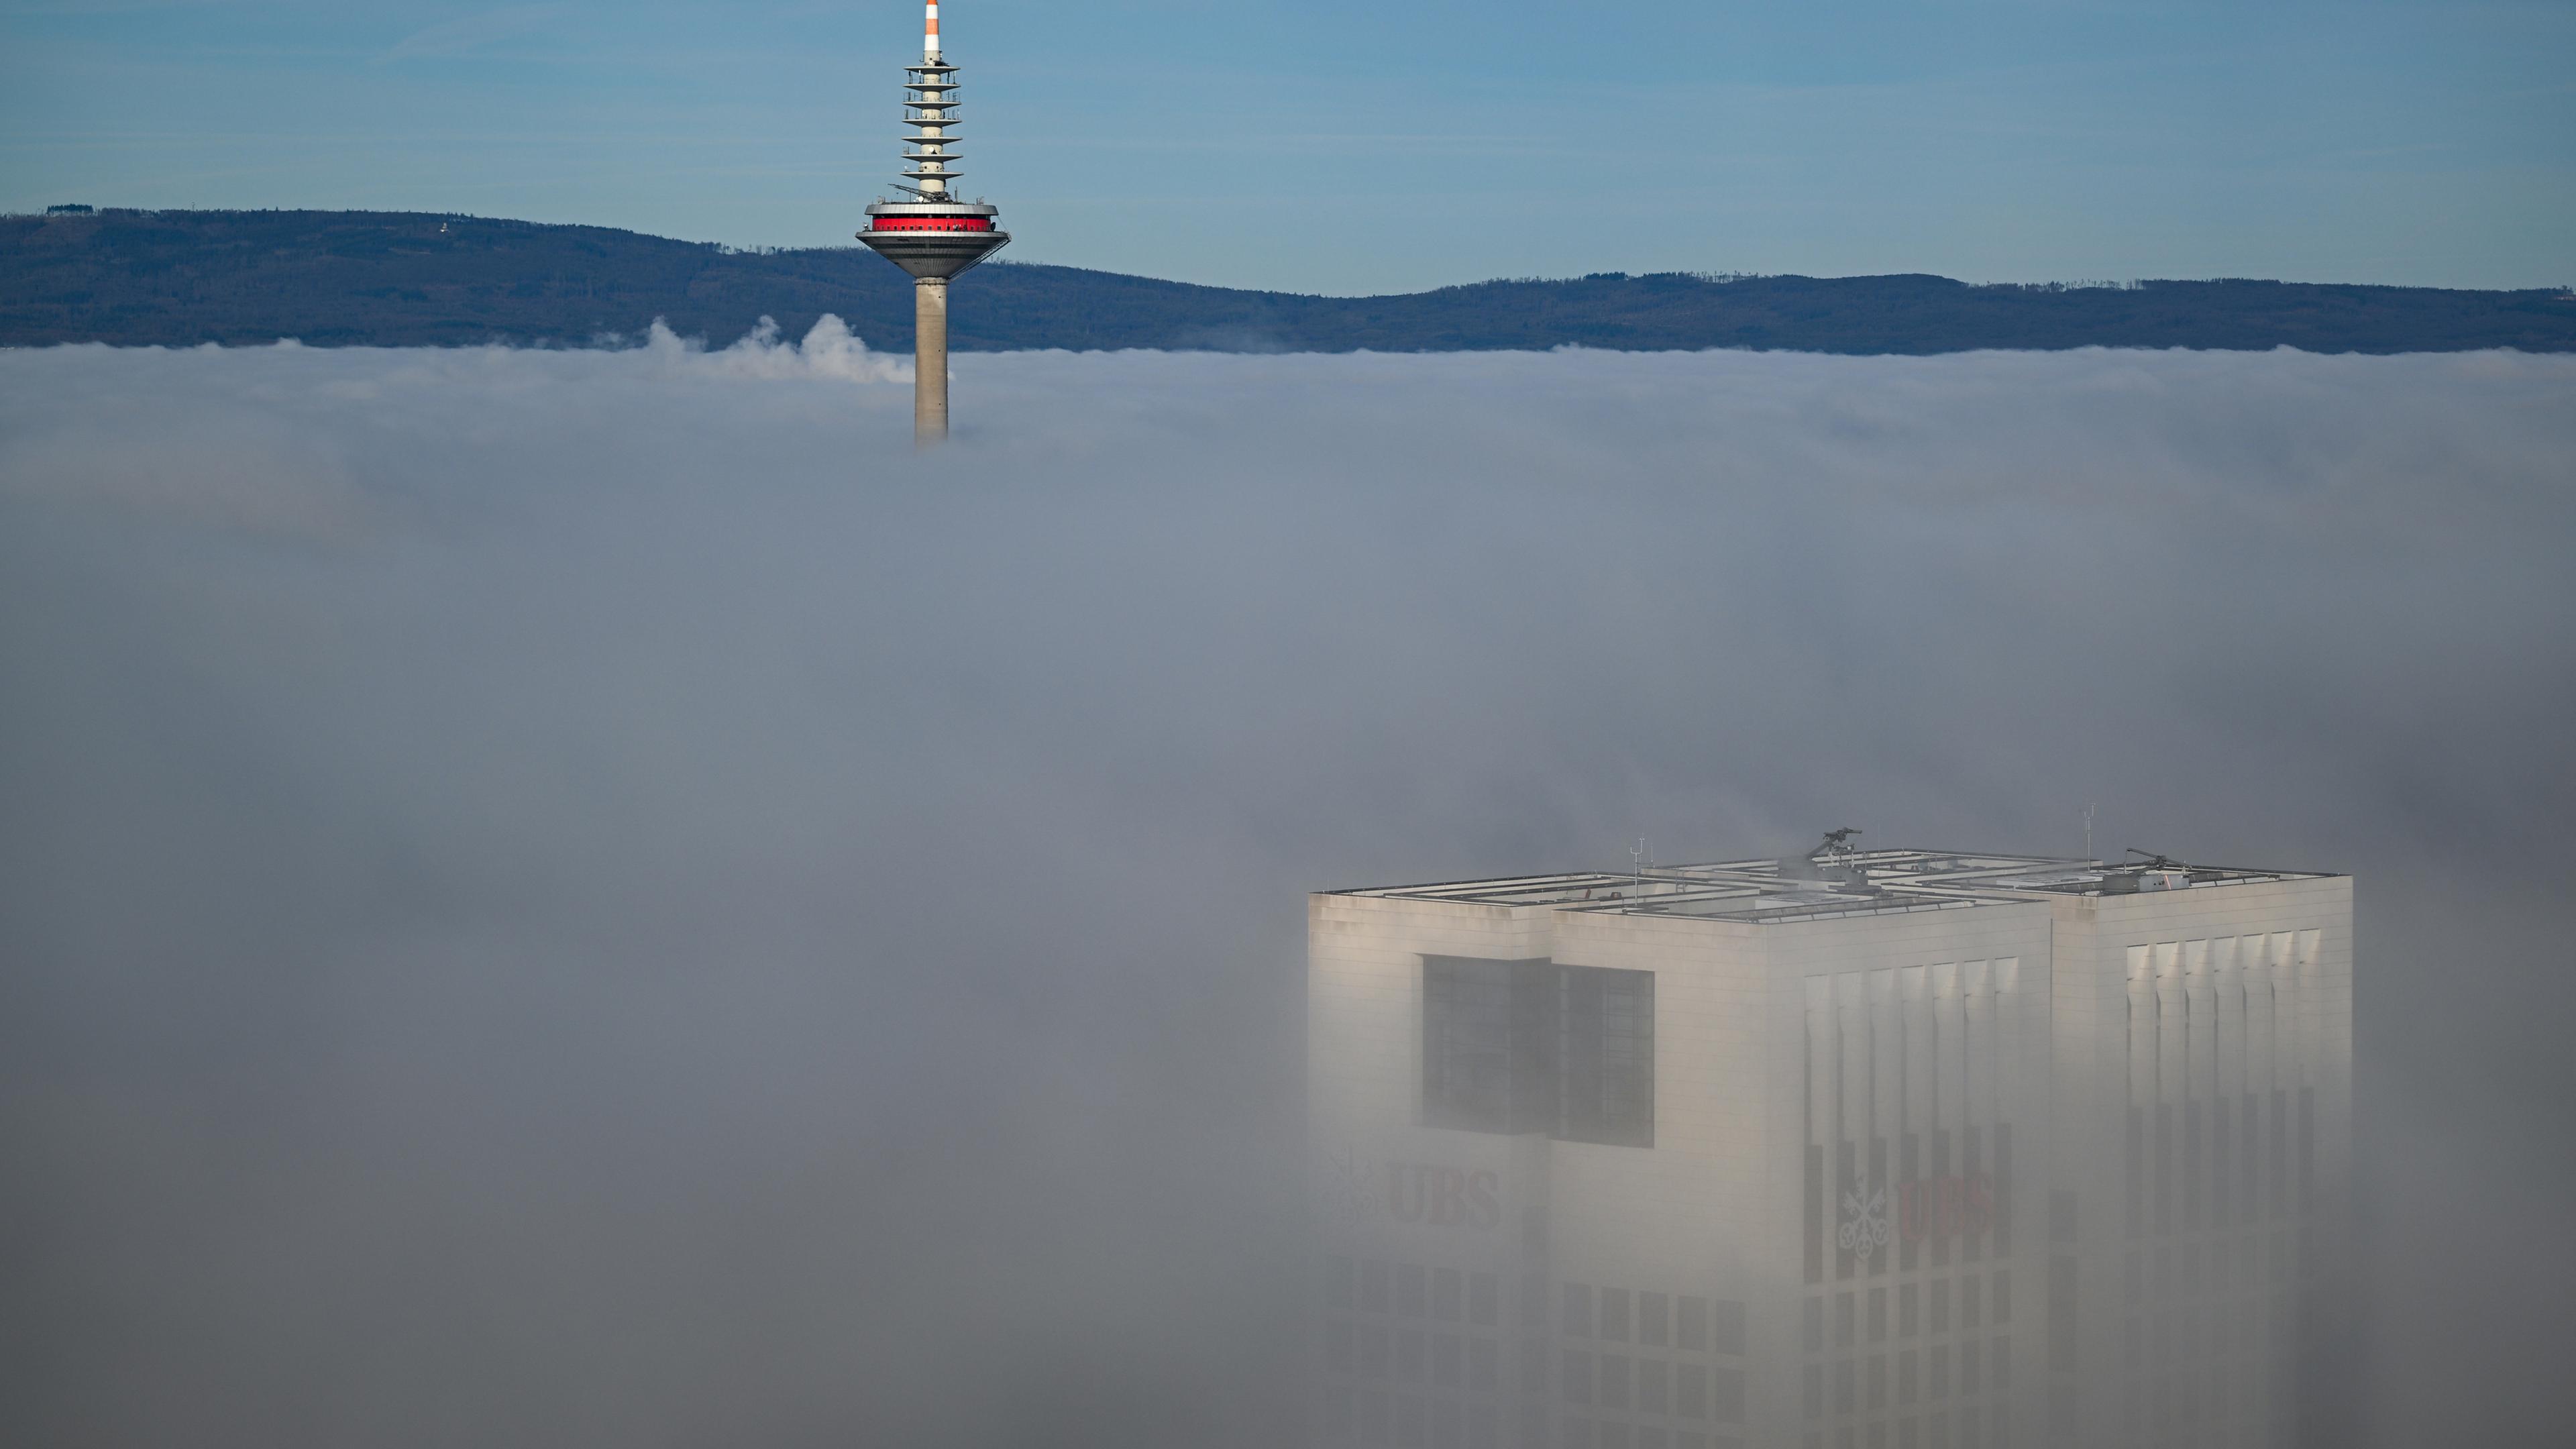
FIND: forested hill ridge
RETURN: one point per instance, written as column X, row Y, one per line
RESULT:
column 396, row 279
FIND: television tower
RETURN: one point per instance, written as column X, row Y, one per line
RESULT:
column 934, row 236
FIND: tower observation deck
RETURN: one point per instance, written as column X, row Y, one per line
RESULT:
column 933, row 235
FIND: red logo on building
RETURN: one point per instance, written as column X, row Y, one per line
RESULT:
column 1945, row 1207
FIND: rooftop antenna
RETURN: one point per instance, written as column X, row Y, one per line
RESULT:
column 1638, row 855
column 2088, row 830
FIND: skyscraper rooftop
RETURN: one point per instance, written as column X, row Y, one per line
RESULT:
column 1835, row 883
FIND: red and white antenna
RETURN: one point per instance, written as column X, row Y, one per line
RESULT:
column 930, row 30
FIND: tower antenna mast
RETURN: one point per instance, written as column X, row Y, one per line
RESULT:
column 933, row 235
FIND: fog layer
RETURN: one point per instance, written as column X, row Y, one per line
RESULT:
column 600, row 898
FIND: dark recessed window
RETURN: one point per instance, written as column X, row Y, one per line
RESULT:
column 1693, row 1325
column 1446, row 1285
column 1654, row 1385
column 1532, row 1046
column 1470, row 1054
column 1408, row 1289
column 1614, row 1314
column 1484, row 1299
column 1608, row 1022
column 1726, row 1394
column 1654, row 1319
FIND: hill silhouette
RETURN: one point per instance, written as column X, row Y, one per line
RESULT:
column 343, row 278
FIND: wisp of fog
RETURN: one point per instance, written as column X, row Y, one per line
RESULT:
column 599, row 897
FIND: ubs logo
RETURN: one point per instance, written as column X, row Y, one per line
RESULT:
column 1444, row 1197
column 1864, row 1225
column 1944, row 1207
column 1414, row 1192
column 1354, row 1187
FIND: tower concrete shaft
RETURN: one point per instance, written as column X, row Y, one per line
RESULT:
column 929, row 360
column 934, row 236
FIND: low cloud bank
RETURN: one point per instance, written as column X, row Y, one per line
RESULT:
column 830, row 350
column 602, row 897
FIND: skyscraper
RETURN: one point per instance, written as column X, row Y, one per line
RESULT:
column 1888, row 1149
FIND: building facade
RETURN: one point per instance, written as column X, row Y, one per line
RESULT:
column 1857, row 1150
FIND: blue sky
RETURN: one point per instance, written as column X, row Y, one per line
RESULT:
column 1342, row 147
